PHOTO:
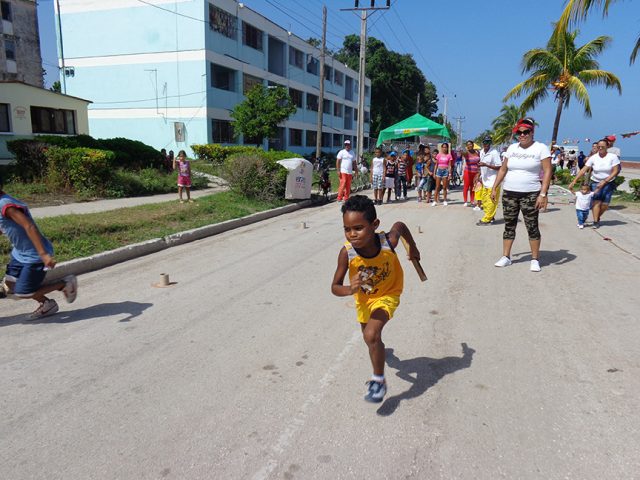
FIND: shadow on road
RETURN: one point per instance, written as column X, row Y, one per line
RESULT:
column 547, row 257
column 611, row 223
column 131, row 309
column 428, row 372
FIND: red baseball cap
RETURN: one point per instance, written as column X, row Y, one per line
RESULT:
column 525, row 122
column 611, row 138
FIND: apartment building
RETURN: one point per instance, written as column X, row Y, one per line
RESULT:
column 169, row 72
column 20, row 58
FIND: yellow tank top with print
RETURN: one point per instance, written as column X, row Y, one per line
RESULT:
column 381, row 275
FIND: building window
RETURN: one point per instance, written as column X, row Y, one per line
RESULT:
column 326, row 106
column 296, row 57
column 367, row 116
column 222, row 132
column 248, row 82
column 252, row 141
column 348, row 88
column 312, row 65
column 348, row 118
column 337, row 140
column 9, row 49
column 337, row 109
column 312, row 135
column 367, row 90
column 274, row 84
column 355, row 114
column 312, row 102
column 6, row 10
column 296, row 97
column 251, row 36
column 223, row 78
column 295, row 137
column 338, row 78
column 222, row 22
column 51, row 120
column 328, row 73
column 5, row 124
column 326, row 140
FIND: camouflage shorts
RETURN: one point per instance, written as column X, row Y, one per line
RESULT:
column 512, row 204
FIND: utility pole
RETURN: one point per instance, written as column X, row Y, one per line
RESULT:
column 362, row 64
column 444, row 115
column 321, row 101
column 459, row 121
column 418, row 103
column 63, row 70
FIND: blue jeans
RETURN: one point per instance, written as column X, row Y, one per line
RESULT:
column 604, row 194
column 582, row 216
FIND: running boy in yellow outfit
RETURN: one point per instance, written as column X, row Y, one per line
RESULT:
column 376, row 278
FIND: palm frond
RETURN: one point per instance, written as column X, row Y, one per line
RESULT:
column 579, row 91
column 634, row 53
column 593, row 48
column 600, row 77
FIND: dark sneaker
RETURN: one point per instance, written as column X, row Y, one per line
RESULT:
column 480, row 223
column 48, row 307
column 70, row 289
column 375, row 391
column 596, row 225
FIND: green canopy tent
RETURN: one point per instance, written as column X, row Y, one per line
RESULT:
column 415, row 125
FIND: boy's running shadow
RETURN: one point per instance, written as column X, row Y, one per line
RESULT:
column 130, row 309
column 428, row 371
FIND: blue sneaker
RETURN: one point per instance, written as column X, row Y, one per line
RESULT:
column 375, row 391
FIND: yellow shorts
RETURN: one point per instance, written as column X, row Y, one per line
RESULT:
column 388, row 303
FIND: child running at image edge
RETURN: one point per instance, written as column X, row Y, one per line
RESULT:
column 375, row 276
column 583, row 203
column 31, row 257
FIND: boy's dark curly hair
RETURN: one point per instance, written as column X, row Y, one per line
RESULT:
column 360, row 203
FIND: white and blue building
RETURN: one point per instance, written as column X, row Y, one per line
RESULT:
column 169, row 72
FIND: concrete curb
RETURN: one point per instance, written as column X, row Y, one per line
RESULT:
column 79, row 266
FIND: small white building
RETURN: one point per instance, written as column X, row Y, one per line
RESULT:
column 27, row 111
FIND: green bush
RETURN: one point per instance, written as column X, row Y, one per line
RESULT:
column 126, row 183
column 131, row 154
column 619, row 180
column 31, row 162
column 635, row 186
column 564, row 177
column 86, row 170
column 217, row 154
column 256, row 176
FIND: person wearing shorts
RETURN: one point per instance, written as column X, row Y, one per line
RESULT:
column 605, row 167
column 31, row 257
column 444, row 164
column 390, row 174
column 377, row 176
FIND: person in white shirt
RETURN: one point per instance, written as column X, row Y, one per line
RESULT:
column 489, row 165
column 583, row 204
column 604, row 167
column 377, row 176
column 520, row 171
column 345, row 167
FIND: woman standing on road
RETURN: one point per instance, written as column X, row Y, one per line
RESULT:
column 471, row 160
column 520, row 171
column 444, row 162
column 604, row 167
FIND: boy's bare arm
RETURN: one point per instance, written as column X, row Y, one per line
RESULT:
column 337, row 287
column 399, row 229
column 32, row 232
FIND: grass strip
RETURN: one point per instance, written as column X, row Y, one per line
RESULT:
column 77, row 236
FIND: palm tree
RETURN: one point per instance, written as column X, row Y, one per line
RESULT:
column 565, row 70
column 576, row 10
column 504, row 123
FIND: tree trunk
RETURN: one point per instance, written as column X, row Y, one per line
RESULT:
column 556, row 123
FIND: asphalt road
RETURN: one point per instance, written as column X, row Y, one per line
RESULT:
column 248, row 367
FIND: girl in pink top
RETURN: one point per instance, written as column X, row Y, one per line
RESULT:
column 184, row 175
column 471, row 160
column 444, row 163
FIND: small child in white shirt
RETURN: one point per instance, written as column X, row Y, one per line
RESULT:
column 583, row 203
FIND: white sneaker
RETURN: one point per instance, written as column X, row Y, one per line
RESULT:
column 445, row 203
column 535, row 266
column 464, row 204
column 580, row 226
column 46, row 308
column 70, row 289
column 503, row 262
column 477, row 208
column 433, row 204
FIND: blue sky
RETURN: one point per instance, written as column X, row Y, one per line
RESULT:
column 471, row 51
